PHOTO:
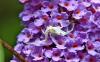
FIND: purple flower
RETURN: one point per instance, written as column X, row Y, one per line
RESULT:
column 56, row 54
column 59, row 31
column 69, row 5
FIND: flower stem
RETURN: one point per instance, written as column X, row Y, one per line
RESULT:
column 6, row 45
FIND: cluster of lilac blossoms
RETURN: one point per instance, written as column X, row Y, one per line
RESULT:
column 59, row 31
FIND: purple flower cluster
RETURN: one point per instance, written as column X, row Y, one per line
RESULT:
column 59, row 31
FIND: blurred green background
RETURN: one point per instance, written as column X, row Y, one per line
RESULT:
column 10, row 25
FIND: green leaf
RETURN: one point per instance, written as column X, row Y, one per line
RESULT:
column 1, row 53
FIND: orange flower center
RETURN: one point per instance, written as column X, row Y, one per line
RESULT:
column 75, row 45
column 78, row 11
column 66, row 4
column 45, row 17
column 59, row 17
column 71, row 35
column 51, row 6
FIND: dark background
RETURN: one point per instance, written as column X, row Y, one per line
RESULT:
column 10, row 25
